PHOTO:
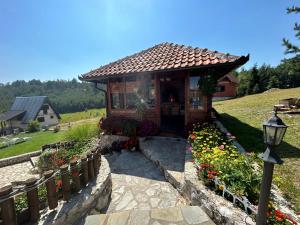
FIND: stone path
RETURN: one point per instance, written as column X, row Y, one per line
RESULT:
column 138, row 184
column 168, row 154
column 184, row 215
column 16, row 173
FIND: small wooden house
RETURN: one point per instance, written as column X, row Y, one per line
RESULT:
column 226, row 88
column 26, row 109
column 163, row 82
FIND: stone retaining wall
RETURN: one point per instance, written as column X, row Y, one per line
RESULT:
column 95, row 196
column 18, row 159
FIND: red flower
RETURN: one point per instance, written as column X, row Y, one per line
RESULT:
column 278, row 218
column 58, row 185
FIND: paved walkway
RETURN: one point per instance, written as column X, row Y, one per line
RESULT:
column 16, row 173
column 139, row 184
column 168, row 153
column 184, row 215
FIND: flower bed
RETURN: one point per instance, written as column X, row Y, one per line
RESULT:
column 53, row 158
column 235, row 176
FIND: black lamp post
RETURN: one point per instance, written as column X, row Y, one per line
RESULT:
column 274, row 130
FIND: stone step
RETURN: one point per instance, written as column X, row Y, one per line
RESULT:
column 183, row 215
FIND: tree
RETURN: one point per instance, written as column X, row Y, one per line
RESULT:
column 290, row 47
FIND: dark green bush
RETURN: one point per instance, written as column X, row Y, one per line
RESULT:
column 33, row 126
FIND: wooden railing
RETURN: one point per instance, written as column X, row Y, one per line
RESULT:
column 77, row 173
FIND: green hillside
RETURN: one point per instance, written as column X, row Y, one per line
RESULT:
column 65, row 95
column 244, row 117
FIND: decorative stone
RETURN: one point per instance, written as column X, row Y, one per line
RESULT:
column 194, row 215
column 150, row 192
column 118, row 218
column 95, row 219
column 168, row 214
column 125, row 200
column 137, row 216
column 131, row 205
column 154, row 202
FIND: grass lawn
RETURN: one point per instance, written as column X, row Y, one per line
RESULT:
column 41, row 138
column 38, row 139
column 89, row 114
column 244, row 116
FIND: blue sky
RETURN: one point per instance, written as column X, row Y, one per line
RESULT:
column 61, row 39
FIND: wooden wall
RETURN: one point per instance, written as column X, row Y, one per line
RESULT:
column 153, row 114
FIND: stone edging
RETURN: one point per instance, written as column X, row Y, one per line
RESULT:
column 95, row 195
column 19, row 158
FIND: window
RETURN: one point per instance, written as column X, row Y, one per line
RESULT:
column 51, row 117
column 147, row 90
column 128, row 92
column 131, row 88
column 41, row 119
column 150, row 91
column 45, row 108
column 195, row 95
column 220, row 88
column 117, row 100
column 117, row 94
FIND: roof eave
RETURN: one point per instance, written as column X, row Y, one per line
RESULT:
column 236, row 64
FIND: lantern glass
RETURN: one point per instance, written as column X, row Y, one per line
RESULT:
column 273, row 135
column 269, row 135
column 279, row 135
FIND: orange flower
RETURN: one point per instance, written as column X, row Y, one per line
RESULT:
column 209, row 176
column 193, row 137
column 279, row 219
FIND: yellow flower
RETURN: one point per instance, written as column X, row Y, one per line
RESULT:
column 221, row 187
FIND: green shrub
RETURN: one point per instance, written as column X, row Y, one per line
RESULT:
column 21, row 202
column 82, row 133
column 33, row 126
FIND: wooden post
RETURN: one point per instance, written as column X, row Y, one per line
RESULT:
column 95, row 162
column 97, row 152
column 8, row 213
column 51, row 190
column 84, row 168
column 75, row 175
column 33, row 199
column 99, row 159
column 90, row 166
column 65, row 179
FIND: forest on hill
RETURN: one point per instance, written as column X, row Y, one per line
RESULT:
column 258, row 79
column 65, row 96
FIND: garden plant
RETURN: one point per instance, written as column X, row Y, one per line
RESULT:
column 215, row 156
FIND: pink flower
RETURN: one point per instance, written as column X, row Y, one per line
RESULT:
column 248, row 153
column 190, row 148
column 221, row 147
column 228, row 134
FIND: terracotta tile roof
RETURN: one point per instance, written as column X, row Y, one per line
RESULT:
column 163, row 57
column 231, row 78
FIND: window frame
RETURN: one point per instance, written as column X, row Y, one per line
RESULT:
column 124, row 91
column 202, row 97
